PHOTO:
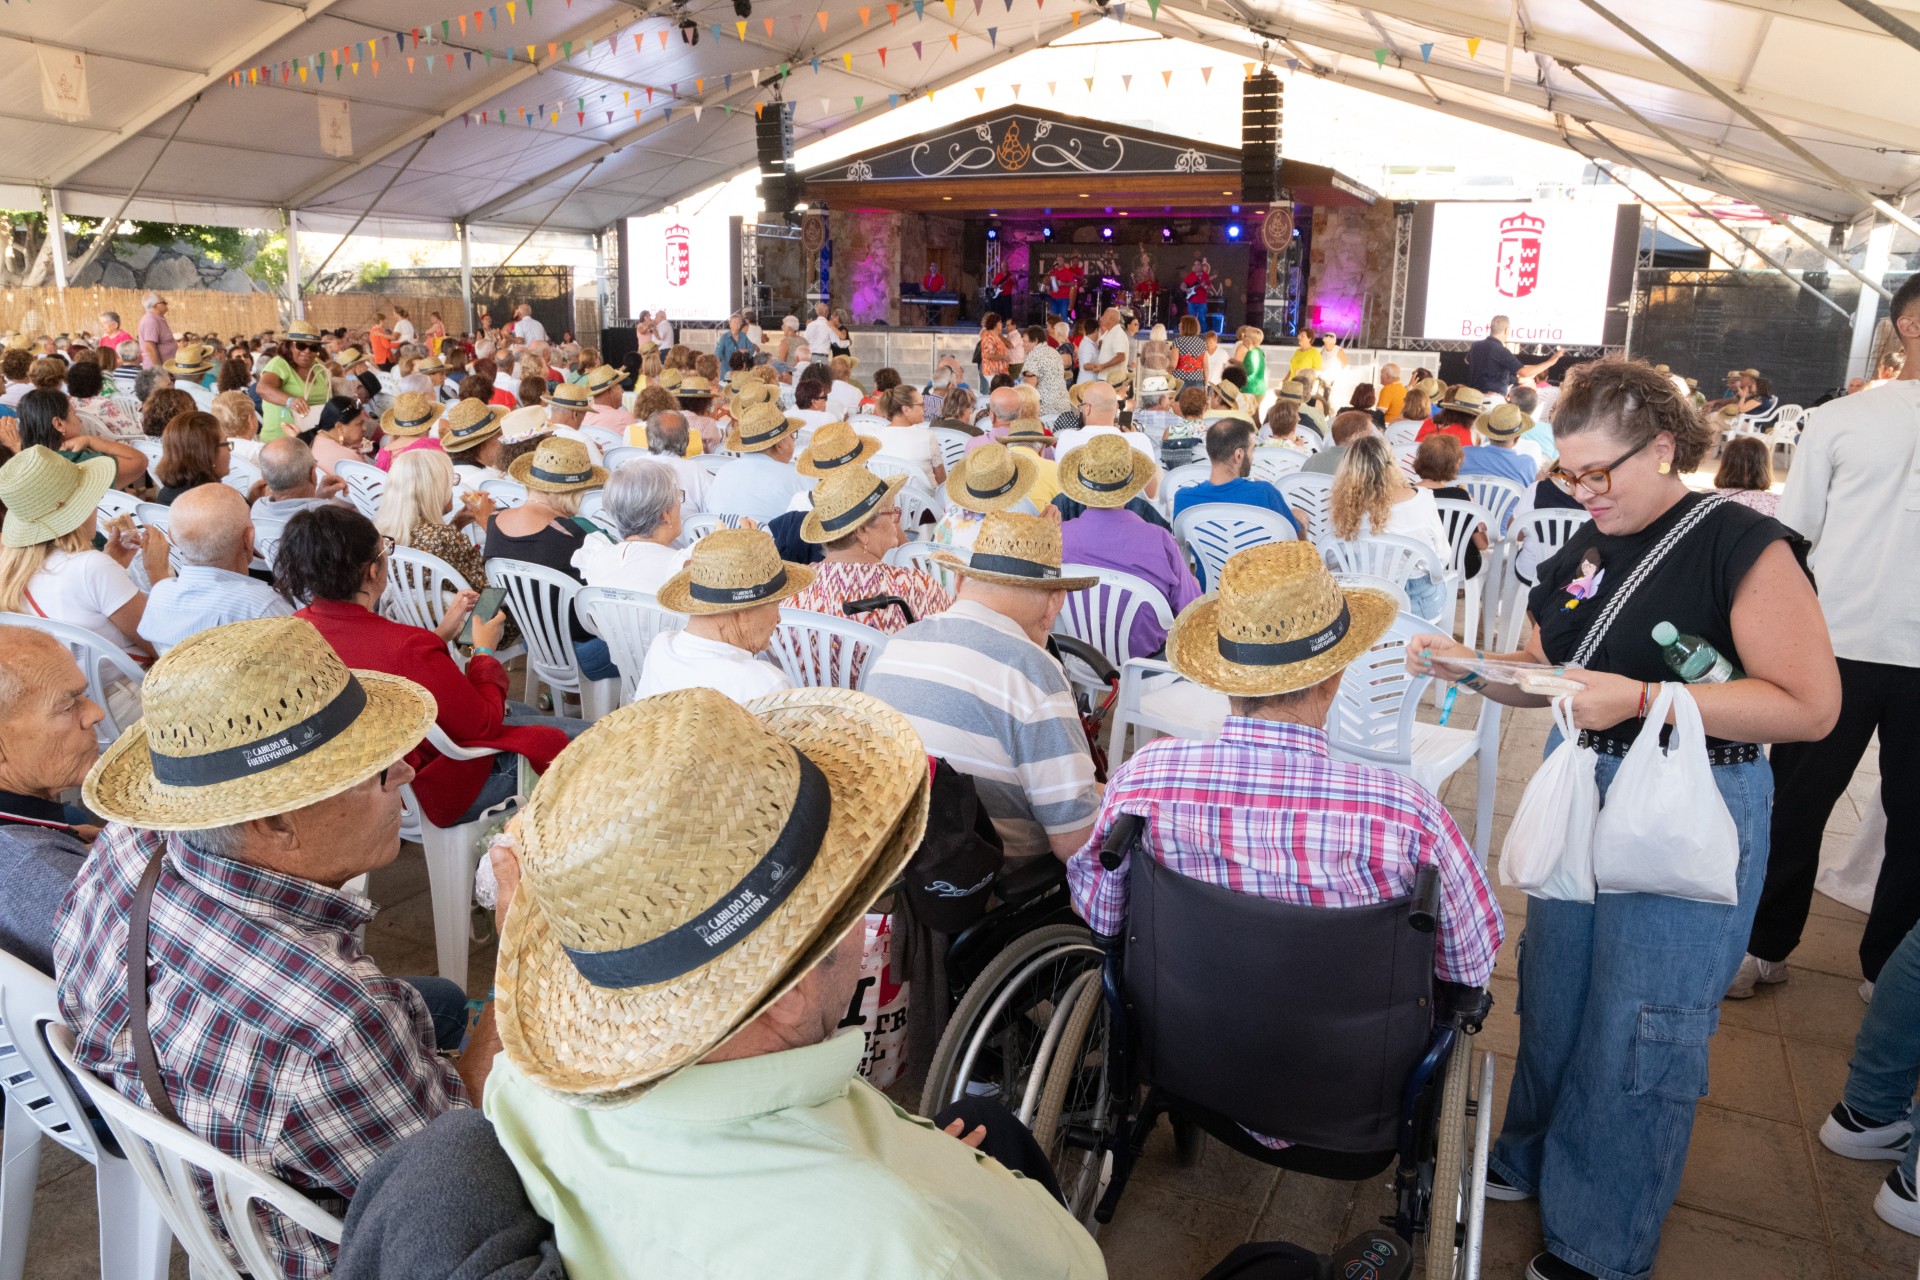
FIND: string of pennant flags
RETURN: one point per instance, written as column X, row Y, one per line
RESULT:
column 423, row 49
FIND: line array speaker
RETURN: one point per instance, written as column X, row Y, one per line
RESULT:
column 773, row 138
column 1260, row 107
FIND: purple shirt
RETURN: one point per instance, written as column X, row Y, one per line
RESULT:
column 156, row 330
column 1119, row 539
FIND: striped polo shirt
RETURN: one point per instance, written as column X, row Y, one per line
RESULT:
column 996, row 706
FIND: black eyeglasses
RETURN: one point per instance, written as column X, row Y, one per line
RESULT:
column 307, row 346
column 1598, row 481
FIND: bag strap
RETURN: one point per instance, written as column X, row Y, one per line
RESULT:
column 143, row 1053
column 1641, row 572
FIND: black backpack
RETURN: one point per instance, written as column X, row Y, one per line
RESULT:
column 950, row 876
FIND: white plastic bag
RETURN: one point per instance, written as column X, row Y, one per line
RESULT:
column 1665, row 828
column 1549, row 848
column 882, row 1001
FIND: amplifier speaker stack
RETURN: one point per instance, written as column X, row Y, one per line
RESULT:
column 1260, row 138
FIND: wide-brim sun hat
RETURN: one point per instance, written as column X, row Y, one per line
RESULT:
column 558, row 464
column 524, row 423
column 1016, row 551
column 468, row 424
column 1503, row 422
column 759, row 429
column 351, row 356
column 691, row 387
column 835, row 445
column 846, row 500
column 414, row 413
column 301, row 331
column 1029, row 431
column 731, row 570
column 191, row 359
column 1464, row 399
column 991, row 478
column 251, row 720
column 568, row 395
column 601, row 377
column 48, row 496
column 658, row 914
column 1105, row 471
column 753, row 394
column 1278, row 622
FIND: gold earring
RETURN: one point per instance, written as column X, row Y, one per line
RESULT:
column 1665, row 467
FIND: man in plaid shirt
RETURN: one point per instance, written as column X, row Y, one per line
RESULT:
column 276, row 1038
column 1264, row 809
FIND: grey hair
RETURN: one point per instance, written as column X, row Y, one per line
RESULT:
column 639, row 496
column 111, row 315
column 149, row 380
column 222, row 842
column 1253, row 706
column 286, row 463
column 150, row 299
column 664, row 439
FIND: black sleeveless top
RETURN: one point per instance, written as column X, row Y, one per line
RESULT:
column 1693, row 589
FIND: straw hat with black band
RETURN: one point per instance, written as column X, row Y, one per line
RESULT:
column 731, row 570
column 250, row 720
column 301, row 331
column 602, row 377
column 568, row 395
column 1016, row 551
column 670, row 380
column 1279, row 622
column 991, row 478
column 658, row 914
column 1293, row 390
column 847, row 499
column 468, row 424
column 348, row 357
column 1503, row 422
column 1029, row 431
column 754, row 394
column 1464, row 399
column 431, row 364
column 1106, row 471
column 47, row 496
column 558, row 465
column 190, row 360
column 647, row 348
column 835, row 445
column 691, row 387
column 759, row 429
column 413, row 414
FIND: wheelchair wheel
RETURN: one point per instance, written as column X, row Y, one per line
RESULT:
column 1076, row 1110
column 999, row 1031
column 1450, row 1192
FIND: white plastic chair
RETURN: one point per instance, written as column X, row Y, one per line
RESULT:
column 505, row 493
column 453, row 855
column 696, row 525
column 1308, row 494
column 1460, row 519
column 952, row 444
column 149, row 445
column 1270, row 464
column 170, row 1161
column 1500, row 497
column 1384, row 555
column 240, row 476
column 920, row 555
column 712, row 462
column 365, row 483
column 116, row 503
column 1214, row 532
column 628, row 621
column 818, row 650
column 1786, row 435
column 152, row 515
column 1537, row 535
column 1403, row 432
column 604, row 439
column 541, row 602
column 917, row 503
column 620, row 457
column 1157, row 702
column 1404, row 455
column 1103, row 615
column 103, row 664
column 1396, row 590
column 885, row 467
column 40, row 1102
column 1181, row 477
column 1315, row 441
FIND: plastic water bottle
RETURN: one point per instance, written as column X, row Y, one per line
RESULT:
column 1693, row 659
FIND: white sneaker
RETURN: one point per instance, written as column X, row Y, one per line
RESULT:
column 1897, row 1204
column 1848, row 1133
column 1753, row 971
column 1866, row 992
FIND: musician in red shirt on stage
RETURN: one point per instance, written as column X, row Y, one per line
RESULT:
column 1197, row 285
column 1060, row 283
column 932, row 283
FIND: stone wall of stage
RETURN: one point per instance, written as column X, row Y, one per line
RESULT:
column 867, row 265
column 1350, row 279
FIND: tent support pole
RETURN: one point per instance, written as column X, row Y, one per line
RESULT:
column 103, row 236
column 1885, row 21
column 372, row 205
column 296, row 304
column 57, row 236
column 1866, row 314
column 534, row 230
column 466, row 274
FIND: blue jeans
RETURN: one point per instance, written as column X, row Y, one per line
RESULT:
column 595, row 664
column 1886, row 1054
column 1427, row 597
column 504, row 779
column 447, row 1004
column 1618, row 1000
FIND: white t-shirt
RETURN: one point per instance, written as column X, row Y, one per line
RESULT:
column 908, row 444
column 663, row 329
column 1114, row 343
column 1217, row 363
column 1086, row 351
column 628, row 566
column 677, row 660
column 819, row 335
column 843, row 399
column 1419, row 519
column 403, row 330
column 527, row 329
column 84, row 589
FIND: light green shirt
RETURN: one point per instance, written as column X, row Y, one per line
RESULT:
column 783, row 1165
column 273, row 417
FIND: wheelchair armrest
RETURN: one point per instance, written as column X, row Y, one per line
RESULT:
column 1021, row 883
column 1462, row 1006
column 1426, row 898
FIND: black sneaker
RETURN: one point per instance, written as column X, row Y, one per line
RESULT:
column 1848, row 1133
column 1547, row 1267
column 1498, row 1188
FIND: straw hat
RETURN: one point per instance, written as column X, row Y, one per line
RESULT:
column 1106, row 471
column 647, row 348
column 524, row 423
column 569, row 395
column 847, row 499
column 759, row 429
column 694, row 907
column 601, row 377
column 48, row 496
column 301, row 331
column 690, row 387
column 431, row 364
column 1029, row 431
column 670, row 380
column 190, row 359
column 731, row 570
column 738, row 379
column 468, row 423
column 250, row 720
column 1016, row 551
column 1279, row 622
column 559, row 465
column 1294, row 390
column 1464, row 399
column 755, row 393
column 1503, row 422
column 835, row 445
column 347, row 357
column 1431, row 388
column 991, row 478
column 413, row 414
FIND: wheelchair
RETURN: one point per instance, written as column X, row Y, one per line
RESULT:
column 1231, row 1015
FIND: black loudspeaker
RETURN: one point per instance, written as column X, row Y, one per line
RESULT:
column 773, row 137
column 1260, row 138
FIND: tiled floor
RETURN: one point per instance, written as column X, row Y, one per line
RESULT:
column 1761, row 1199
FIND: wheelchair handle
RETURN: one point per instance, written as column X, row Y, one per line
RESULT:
column 1426, row 898
column 1119, row 839
column 874, row 603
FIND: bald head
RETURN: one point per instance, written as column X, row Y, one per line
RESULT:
column 27, row 657
column 209, row 526
column 1005, row 405
column 1099, row 404
column 286, row 465
column 1110, row 317
column 47, row 721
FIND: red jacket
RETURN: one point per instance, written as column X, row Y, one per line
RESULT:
column 472, row 704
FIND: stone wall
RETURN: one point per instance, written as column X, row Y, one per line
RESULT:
column 866, row 264
column 170, row 268
column 1350, row 280
column 925, row 239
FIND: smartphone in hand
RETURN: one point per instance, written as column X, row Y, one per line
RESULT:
column 484, row 608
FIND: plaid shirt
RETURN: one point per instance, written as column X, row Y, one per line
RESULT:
column 1265, row 810
column 280, row 1041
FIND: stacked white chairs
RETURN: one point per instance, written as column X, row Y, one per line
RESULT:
column 629, row 621
column 453, row 855
column 1272, row 462
column 365, row 483
column 170, row 1163
column 1183, row 477
column 818, row 650
column 1308, row 495
column 1214, row 532
column 541, row 601
column 106, row 667
column 41, row 1104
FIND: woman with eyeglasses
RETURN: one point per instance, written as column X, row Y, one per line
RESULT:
column 1619, row 997
column 292, row 382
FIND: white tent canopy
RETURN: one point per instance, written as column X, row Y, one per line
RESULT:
column 1611, row 78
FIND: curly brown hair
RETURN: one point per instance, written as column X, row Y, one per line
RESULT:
column 1631, row 401
column 162, row 407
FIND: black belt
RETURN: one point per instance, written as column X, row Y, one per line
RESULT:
column 1726, row 753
